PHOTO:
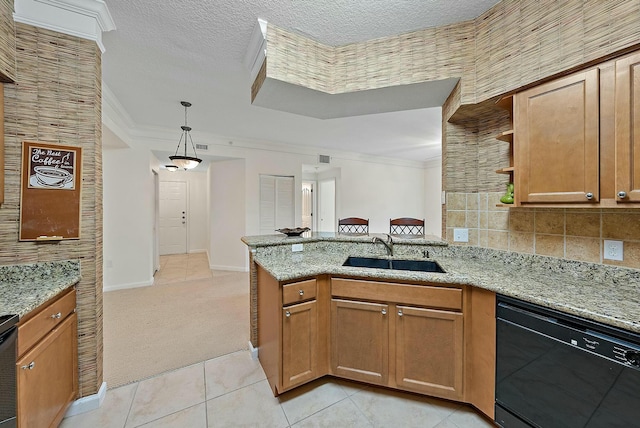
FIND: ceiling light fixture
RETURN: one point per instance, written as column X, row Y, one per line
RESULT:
column 184, row 161
column 171, row 167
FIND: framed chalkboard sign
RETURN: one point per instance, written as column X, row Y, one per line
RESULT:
column 50, row 198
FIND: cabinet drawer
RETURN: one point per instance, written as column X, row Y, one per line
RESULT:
column 298, row 292
column 420, row 295
column 44, row 320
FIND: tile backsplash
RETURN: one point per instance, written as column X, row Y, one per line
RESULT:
column 569, row 233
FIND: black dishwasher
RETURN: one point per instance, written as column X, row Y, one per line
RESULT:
column 8, row 354
column 557, row 370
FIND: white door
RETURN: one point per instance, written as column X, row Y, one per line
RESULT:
column 173, row 217
column 277, row 209
column 308, row 205
column 327, row 205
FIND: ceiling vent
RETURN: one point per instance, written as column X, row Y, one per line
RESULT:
column 202, row 146
column 324, row 159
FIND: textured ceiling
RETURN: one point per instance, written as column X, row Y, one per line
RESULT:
column 164, row 52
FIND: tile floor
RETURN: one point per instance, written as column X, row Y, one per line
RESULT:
column 232, row 391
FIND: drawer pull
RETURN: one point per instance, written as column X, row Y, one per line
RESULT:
column 301, row 292
column 29, row 366
column 589, row 195
column 56, row 316
column 287, row 314
column 384, row 312
column 400, row 312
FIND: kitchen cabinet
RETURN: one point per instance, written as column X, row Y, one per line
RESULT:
column 360, row 340
column 575, row 140
column 627, row 130
column 557, row 141
column 47, row 364
column 292, row 330
column 412, row 340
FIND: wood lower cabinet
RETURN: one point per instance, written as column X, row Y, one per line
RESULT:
column 360, row 341
column 48, row 370
column 437, row 340
column 299, row 344
column 428, row 348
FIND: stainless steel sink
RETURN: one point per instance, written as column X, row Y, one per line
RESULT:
column 397, row 264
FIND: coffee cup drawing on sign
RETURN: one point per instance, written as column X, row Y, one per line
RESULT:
column 48, row 176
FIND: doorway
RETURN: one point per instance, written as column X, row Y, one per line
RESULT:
column 327, row 205
column 308, row 205
column 173, row 217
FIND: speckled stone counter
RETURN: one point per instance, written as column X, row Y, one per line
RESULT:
column 24, row 287
column 606, row 294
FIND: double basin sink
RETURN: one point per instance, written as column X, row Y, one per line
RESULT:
column 397, row 264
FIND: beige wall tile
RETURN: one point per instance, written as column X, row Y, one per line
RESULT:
column 585, row 249
column 521, row 221
column 624, row 226
column 473, row 201
column 583, row 224
column 472, row 219
column 550, row 245
column 498, row 220
column 521, row 242
column 498, row 239
column 483, row 220
column 456, row 219
column 483, row 238
column 483, row 201
column 473, row 237
column 549, row 222
column 456, row 201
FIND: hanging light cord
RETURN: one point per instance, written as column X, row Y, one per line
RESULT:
column 186, row 132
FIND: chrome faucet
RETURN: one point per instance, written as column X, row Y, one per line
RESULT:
column 388, row 243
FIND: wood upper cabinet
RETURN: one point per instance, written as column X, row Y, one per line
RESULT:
column 627, row 125
column 556, row 128
column 428, row 348
column 299, row 344
column 48, row 369
column 360, row 340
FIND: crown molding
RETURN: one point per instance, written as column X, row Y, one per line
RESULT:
column 86, row 19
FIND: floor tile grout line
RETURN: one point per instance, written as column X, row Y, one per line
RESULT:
column 133, row 398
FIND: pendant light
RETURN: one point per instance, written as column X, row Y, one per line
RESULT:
column 171, row 167
column 184, row 161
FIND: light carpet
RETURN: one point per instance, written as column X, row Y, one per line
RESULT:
column 151, row 330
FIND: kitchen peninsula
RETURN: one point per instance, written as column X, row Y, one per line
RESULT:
column 312, row 316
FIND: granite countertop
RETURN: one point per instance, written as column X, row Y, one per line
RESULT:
column 607, row 294
column 24, row 287
column 281, row 239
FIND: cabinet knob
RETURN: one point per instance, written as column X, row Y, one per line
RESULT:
column 56, row 316
column 400, row 312
column 384, row 312
column 29, row 366
column 301, row 292
column 622, row 194
column 589, row 195
column 287, row 314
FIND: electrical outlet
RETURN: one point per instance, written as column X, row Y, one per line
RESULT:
column 613, row 250
column 460, row 235
column 296, row 247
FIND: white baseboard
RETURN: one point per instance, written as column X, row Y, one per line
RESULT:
column 88, row 403
column 197, row 251
column 106, row 288
column 254, row 351
column 232, row 268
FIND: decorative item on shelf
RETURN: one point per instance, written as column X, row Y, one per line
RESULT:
column 508, row 197
column 184, row 161
column 293, row 232
column 171, row 167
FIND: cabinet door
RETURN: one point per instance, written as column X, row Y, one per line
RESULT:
column 360, row 340
column 627, row 101
column 299, row 344
column 428, row 347
column 48, row 377
column 557, row 141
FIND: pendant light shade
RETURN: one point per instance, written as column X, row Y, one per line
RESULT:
column 184, row 161
column 171, row 167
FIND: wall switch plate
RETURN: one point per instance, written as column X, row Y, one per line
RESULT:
column 296, row 247
column 613, row 250
column 460, row 235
